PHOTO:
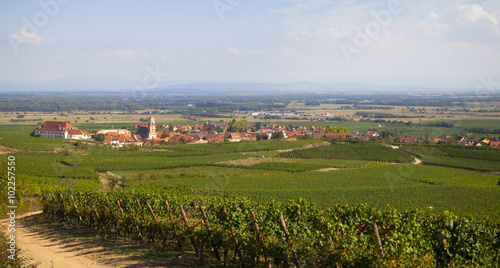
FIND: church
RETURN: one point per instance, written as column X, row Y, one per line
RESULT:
column 148, row 132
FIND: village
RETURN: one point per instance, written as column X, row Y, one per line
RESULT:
column 152, row 135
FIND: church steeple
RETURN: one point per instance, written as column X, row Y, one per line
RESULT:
column 152, row 128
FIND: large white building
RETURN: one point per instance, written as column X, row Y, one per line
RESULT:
column 55, row 129
column 117, row 131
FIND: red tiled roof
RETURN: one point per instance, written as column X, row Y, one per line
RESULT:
column 75, row 131
column 55, row 126
column 495, row 144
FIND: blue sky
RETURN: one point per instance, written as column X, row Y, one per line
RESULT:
column 410, row 42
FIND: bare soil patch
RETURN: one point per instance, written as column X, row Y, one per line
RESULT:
column 8, row 150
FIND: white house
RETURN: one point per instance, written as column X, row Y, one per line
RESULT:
column 55, row 129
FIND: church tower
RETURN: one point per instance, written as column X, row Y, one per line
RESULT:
column 151, row 128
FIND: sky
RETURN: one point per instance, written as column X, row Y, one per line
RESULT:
column 424, row 43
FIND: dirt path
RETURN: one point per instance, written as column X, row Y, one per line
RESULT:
column 45, row 253
column 49, row 243
column 418, row 161
column 327, row 169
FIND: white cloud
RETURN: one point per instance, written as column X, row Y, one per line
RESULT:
column 334, row 32
column 471, row 14
column 22, row 36
column 233, row 50
column 290, row 35
column 120, row 53
column 166, row 58
column 433, row 29
column 434, row 15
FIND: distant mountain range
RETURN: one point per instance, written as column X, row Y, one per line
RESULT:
column 117, row 85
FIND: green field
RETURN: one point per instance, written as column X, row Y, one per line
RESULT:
column 401, row 186
column 345, row 185
column 493, row 123
column 350, row 173
column 356, row 151
column 474, row 158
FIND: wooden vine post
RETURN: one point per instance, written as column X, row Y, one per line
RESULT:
column 379, row 242
column 120, row 207
column 139, row 235
column 442, row 243
column 89, row 216
column 233, row 234
column 188, row 229
column 157, row 223
column 285, row 230
column 97, row 217
column 121, row 216
column 45, row 203
column 140, row 209
column 110, row 212
column 207, row 225
column 151, row 237
column 76, row 208
column 261, row 239
column 56, row 206
column 179, row 242
column 63, row 212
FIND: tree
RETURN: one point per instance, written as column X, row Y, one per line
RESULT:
column 99, row 137
column 239, row 125
column 387, row 135
column 337, row 129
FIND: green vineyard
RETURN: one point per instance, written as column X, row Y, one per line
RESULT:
column 356, row 151
column 475, row 158
column 221, row 231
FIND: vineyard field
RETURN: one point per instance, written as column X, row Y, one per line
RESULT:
column 245, row 146
column 340, row 235
column 401, row 186
column 356, row 151
column 376, row 182
column 475, row 158
column 17, row 136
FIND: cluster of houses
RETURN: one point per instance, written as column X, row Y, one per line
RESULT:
column 462, row 141
column 149, row 135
